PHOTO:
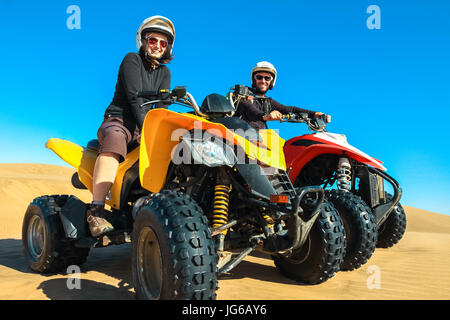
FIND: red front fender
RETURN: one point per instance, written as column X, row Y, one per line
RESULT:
column 297, row 156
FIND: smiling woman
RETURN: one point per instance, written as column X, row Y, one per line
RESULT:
column 124, row 117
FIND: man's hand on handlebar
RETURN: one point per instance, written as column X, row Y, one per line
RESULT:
column 315, row 123
column 317, row 114
column 323, row 116
column 274, row 115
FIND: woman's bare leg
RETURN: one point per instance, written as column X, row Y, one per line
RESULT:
column 105, row 171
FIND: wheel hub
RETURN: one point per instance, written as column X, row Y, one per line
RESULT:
column 149, row 268
column 36, row 236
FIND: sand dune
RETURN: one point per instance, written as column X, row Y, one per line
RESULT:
column 416, row 268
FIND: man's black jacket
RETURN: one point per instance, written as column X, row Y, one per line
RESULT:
column 253, row 111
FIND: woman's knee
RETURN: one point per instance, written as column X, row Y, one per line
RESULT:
column 111, row 155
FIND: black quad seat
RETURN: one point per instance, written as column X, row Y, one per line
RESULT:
column 93, row 145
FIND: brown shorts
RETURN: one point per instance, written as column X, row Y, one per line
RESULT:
column 114, row 137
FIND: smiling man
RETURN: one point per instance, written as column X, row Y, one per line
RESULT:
column 259, row 108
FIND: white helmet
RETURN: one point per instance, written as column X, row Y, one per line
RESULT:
column 157, row 24
column 264, row 66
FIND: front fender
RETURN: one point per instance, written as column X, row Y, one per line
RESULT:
column 298, row 156
column 161, row 133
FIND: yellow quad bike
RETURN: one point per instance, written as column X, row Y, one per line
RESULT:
column 199, row 193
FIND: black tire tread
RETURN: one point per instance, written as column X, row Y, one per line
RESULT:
column 330, row 250
column 362, row 227
column 393, row 229
column 60, row 252
column 193, row 257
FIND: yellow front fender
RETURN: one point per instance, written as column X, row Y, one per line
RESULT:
column 161, row 133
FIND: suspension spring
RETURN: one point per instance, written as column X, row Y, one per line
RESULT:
column 269, row 220
column 344, row 174
column 220, row 209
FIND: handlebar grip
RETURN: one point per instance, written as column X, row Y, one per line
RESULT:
column 153, row 93
column 179, row 91
column 147, row 94
column 295, row 117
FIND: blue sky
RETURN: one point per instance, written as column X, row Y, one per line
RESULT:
column 387, row 89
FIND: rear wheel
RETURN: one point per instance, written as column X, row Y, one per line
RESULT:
column 393, row 229
column 321, row 255
column 173, row 254
column 43, row 241
column 360, row 227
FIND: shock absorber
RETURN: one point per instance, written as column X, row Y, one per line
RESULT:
column 220, row 208
column 269, row 220
column 344, row 174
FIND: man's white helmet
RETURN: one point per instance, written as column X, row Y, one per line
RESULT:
column 156, row 24
column 264, row 66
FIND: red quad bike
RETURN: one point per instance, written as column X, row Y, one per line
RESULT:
column 354, row 183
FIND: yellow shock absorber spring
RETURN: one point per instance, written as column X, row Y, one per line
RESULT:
column 269, row 220
column 221, row 202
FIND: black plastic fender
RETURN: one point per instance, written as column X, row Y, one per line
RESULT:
column 73, row 218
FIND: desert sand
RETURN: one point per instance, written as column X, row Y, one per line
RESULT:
column 418, row 267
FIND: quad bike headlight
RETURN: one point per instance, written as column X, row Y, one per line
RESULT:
column 211, row 154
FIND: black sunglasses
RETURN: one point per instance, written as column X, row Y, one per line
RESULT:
column 260, row 77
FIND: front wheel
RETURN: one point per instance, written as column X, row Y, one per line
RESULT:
column 173, row 254
column 321, row 255
column 393, row 229
column 360, row 227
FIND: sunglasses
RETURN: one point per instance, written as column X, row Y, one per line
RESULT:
column 154, row 41
column 260, row 77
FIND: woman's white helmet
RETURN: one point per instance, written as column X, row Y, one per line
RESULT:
column 264, row 66
column 156, row 24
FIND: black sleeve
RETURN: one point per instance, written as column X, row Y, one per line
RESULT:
column 289, row 109
column 130, row 73
column 165, row 84
column 249, row 111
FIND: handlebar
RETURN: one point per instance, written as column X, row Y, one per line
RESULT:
column 315, row 124
column 179, row 95
column 149, row 94
column 295, row 117
column 241, row 92
column 303, row 117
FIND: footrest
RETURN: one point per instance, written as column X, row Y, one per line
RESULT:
column 86, row 242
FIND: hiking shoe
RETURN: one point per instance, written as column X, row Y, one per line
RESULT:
column 95, row 217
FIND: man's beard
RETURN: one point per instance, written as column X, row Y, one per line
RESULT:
column 259, row 92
